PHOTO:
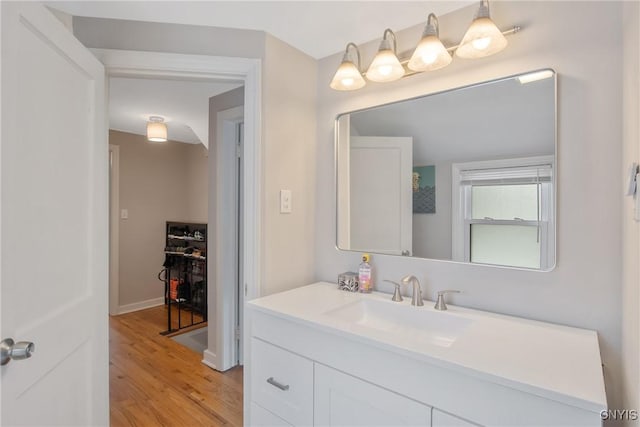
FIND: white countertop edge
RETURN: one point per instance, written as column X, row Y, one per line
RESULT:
column 588, row 405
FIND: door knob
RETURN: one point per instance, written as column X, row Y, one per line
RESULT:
column 10, row 350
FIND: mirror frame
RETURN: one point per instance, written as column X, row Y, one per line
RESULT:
column 469, row 86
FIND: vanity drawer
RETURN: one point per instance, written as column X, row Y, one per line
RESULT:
column 282, row 382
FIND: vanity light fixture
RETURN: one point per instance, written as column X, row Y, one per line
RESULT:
column 156, row 129
column 483, row 38
column 535, row 76
column 348, row 76
column 430, row 54
column 385, row 66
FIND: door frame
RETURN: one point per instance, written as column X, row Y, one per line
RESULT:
column 226, row 244
column 140, row 64
column 114, row 229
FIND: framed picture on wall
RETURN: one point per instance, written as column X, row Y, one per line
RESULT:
column 424, row 189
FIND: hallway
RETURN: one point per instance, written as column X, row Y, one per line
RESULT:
column 156, row 381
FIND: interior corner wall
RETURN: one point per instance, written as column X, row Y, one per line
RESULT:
column 289, row 118
column 218, row 103
column 631, row 228
column 584, row 289
column 155, row 187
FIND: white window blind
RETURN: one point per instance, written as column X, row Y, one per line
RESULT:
column 511, row 175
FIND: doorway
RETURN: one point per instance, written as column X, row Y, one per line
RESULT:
column 247, row 71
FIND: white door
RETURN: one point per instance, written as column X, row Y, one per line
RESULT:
column 381, row 198
column 343, row 400
column 54, row 223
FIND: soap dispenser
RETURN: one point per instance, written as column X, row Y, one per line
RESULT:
column 365, row 282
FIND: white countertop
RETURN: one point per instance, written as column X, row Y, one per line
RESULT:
column 552, row 361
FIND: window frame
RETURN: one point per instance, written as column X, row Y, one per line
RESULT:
column 462, row 218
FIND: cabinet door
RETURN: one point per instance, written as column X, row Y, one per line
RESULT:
column 343, row 400
column 442, row 419
column 282, row 383
column 260, row 417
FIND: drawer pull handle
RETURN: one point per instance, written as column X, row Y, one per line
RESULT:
column 275, row 383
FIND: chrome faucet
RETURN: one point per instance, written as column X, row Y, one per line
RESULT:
column 440, row 304
column 416, row 297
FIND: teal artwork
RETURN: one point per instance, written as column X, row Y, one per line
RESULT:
column 424, row 189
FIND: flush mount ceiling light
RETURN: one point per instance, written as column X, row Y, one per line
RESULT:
column 156, row 129
column 482, row 38
column 430, row 54
column 385, row 66
column 348, row 75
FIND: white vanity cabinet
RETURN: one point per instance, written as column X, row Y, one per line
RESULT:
column 343, row 400
column 442, row 419
column 311, row 365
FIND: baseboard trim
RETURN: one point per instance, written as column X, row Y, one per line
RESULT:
column 209, row 359
column 128, row 308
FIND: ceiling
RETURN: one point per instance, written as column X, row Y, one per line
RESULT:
column 504, row 119
column 318, row 28
column 183, row 104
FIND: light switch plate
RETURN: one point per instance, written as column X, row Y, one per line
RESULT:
column 285, row 201
column 124, row 214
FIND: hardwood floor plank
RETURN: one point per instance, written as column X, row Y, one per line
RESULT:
column 154, row 381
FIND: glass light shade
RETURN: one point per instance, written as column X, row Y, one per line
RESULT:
column 482, row 38
column 385, row 67
column 430, row 54
column 156, row 131
column 347, row 77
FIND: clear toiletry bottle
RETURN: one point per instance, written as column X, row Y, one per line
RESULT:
column 365, row 283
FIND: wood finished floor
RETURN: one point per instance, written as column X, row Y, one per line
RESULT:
column 154, row 381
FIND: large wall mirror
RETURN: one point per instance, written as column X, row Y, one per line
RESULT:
column 466, row 175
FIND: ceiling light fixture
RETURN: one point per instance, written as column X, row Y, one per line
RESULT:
column 156, row 129
column 482, row 38
column 430, row 54
column 348, row 76
column 385, row 66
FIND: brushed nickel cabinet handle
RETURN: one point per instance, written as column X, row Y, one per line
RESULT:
column 275, row 383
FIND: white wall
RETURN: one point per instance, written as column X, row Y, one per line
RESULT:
column 584, row 290
column 631, row 229
column 289, row 118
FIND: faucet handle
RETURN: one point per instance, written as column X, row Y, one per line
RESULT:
column 440, row 303
column 397, row 297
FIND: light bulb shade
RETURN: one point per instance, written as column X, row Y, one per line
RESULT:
column 347, row 77
column 482, row 38
column 385, row 67
column 430, row 54
column 156, row 131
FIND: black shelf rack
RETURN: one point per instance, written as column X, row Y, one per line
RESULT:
column 185, row 274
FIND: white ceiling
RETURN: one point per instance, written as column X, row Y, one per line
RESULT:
column 318, row 28
column 184, row 106
column 504, row 119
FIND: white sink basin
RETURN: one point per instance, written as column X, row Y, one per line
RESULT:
column 399, row 321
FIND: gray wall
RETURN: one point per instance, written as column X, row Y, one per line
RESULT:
column 631, row 228
column 158, row 183
column 585, row 288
